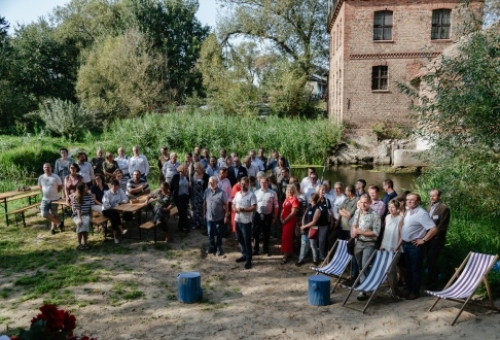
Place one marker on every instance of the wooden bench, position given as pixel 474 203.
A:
pixel 150 225
pixel 21 212
pixel 28 195
pixel 100 220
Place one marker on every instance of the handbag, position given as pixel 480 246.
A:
pixel 313 232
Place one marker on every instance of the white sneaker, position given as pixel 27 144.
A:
pixel 116 241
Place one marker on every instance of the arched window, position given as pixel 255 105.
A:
pixel 441 24
pixel 382 25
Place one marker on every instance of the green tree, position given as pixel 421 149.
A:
pixel 296 28
pixel 459 96
pixel 122 77
pixel 230 80
pixel 174 30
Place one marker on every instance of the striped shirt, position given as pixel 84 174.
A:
pixel 85 207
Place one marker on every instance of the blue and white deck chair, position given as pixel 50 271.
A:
pixel 338 265
pixel 381 263
pixel 477 266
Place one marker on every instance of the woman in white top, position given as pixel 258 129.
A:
pixel 391 240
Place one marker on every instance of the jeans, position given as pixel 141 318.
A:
pixel 244 234
pixel 304 248
pixel 362 252
pixel 214 230
pixel 264 225
pixel 414 258
pixel 322 238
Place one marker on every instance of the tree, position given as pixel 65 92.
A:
pixel 459 99
pixel 229 81
pixel 296 28
pixel 122 77
pixel 174 30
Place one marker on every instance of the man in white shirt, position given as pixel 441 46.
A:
pixel 252 170
pixel 306 181
pixel 122 161
pixel 50 184
pixel 244 204
pixel 311 187
pixel 265 215
pixel 418 228
pixel 225 185
pixel 138 162
pixel 86 169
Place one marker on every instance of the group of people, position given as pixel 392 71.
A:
pixel 251 200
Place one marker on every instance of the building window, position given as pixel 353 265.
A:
pixel 379 77
pixel 382 25
pixel 441 23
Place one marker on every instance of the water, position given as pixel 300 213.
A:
pixel 349 175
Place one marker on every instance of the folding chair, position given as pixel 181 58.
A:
pixel 477 267
pixel 382 262
pixel 338 264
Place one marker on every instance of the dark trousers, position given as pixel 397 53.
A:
pixel 414 258
pixel 433 248
pixel 214 229
pixel 244 234
pixel 114 218
pixel 182 202
pixel 261 223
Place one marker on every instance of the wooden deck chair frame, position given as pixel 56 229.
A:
pixel 327 261
pixel 374 292
pixel 484 279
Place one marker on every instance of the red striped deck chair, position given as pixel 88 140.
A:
pixel 338 265
pixel 465 281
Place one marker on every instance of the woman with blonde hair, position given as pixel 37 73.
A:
pixel 288 219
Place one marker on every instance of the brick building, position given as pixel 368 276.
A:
pixel 374 44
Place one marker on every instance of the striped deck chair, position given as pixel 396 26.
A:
pixel 477 266
pixel 338 265
pixel 381 263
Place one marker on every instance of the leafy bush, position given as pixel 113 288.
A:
pixel 65 118
pixel 388 130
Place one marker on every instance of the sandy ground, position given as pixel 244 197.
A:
pixel 268 301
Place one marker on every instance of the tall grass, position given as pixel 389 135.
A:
pixel 300 140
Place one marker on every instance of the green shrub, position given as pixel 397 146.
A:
pixel 65 118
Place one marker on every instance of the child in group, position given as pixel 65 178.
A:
pixel 82 214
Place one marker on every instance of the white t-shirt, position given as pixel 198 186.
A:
pixel 336 205
pixel 391 233
pixel 50 186
pixel 246 201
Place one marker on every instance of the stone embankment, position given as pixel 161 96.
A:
pixel 367 149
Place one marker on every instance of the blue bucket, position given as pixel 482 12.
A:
pixel 189 287
pixel 319 290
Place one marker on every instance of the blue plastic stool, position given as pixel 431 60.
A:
pixel 319 290
pixel 189 287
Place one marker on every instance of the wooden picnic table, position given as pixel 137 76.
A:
pixel 14 195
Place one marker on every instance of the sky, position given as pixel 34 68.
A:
pixel 26 11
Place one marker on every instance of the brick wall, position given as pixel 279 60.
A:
pixel 353 53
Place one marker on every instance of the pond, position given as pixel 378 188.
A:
pixel 350 174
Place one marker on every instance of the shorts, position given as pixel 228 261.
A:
pixel 47 208
pixel 85 227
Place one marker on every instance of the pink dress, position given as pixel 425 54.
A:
pixel 289 227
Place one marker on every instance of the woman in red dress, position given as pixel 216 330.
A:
pixel 289 220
